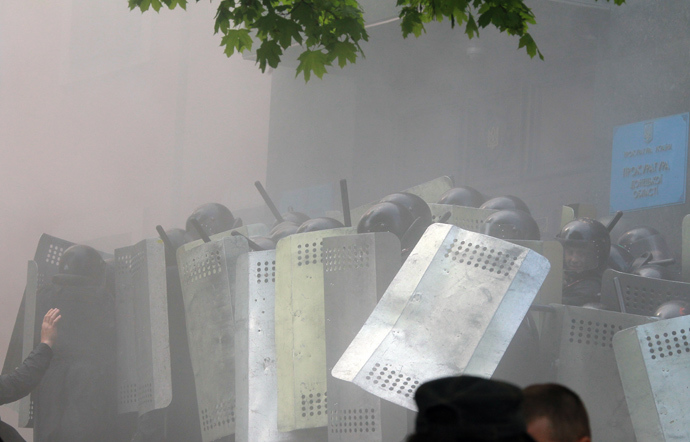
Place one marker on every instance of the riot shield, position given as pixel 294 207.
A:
pixel 653 362
pixel 570 212
pixel 520 363
pixel 685 249
pixel 577 349
pixel 256 414
pixel 453 308
pixel 25 405
pixel 47 254
pixel 357 271
pixel 468 218
pixel 141 315
pixel 639 295
pixel 248 230
pixel 430 192
pixel 300 329
pixel 207 276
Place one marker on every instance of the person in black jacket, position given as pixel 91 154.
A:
pixel 19 383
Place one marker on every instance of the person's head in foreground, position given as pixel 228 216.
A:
pixel 555 413
pixel 467 409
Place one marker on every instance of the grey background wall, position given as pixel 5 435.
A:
pixel 484 112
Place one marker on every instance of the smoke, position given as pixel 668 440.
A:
pixel 112 122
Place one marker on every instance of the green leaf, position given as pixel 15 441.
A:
pixel 312 61
pixel 530 46
pixel 344 51
pixel 236 39
pixel 268 53
pixel 156 5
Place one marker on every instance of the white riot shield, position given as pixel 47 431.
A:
pixel 25 406
pixel 577 346
pixel 570 212
pixel 653 361
pixel 453 308
pixel 430 192
pixel 256 381
pixel 357 271
pixel 639 295
pixel 300 329
pixel 468 218
pixel 207 276
pixel 248 230
pixel 143 348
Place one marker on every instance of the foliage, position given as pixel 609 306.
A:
pixel 330 30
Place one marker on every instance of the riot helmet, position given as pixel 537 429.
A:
pixel 414 203
pixel 315 224
pixel 213 218
pixel 672 309
pixel 462 196
pixel 654 271
pixel 586 245
pixel 643 239
pixel 386 217
pixel 620 259
pixel 280 231
pixel 83 263
pixel 507 202
pixel 511 225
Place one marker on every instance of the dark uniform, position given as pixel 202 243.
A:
pixel 75 401
pixel 19 383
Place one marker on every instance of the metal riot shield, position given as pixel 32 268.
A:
pixel 430 192
pixel 570 212
pixel 520 364
pixel 468 218
pixel 453 308
pixel 207 276
pixel 46 258
pixel 639 295
pixel 25 405
pixel 300 329
pixel 256 413
pixel 685 249
pixel 577 349
pixel 248 230
pixel 357 271
pixel 143 348
pixel 653 362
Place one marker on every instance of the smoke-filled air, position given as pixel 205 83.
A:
pixel 200 248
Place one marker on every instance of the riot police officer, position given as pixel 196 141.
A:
pixel 586 247
pixel 75 401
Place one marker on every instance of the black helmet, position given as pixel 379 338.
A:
pixel 643 239
pixel 511 224
pixel 586 245
pixel 281 230
pixel 672 309
pixel 653 271
pixel 620 259
pixel 213 217
pixel 315 224
pixel 83 262
pixel 386 217
pixel 462 196
pixel 507 202
pixel 414 203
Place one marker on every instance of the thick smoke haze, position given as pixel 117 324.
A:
pixel 113 121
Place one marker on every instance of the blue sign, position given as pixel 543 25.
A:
pixel 649 163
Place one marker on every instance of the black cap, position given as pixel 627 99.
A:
pixel 471 407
